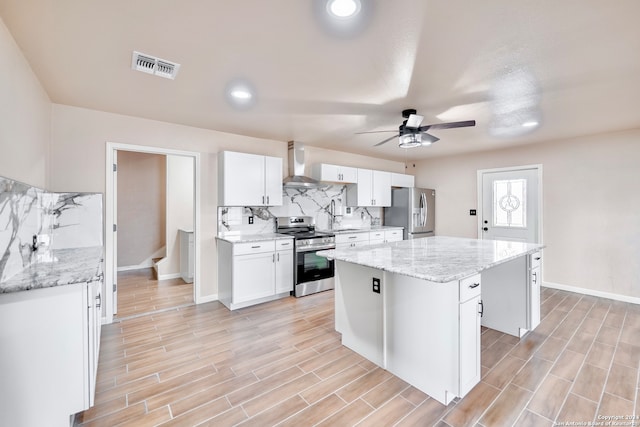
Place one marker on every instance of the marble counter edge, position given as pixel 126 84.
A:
pixel 330 254
pixel 248 238
pixel 363 230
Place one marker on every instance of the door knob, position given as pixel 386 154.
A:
pixel 485 228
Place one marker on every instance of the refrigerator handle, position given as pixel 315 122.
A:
pixel 423 207
pixel 426 210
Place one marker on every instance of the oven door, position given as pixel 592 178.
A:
pixel 311 267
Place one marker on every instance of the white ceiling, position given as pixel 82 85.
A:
pixel 574 65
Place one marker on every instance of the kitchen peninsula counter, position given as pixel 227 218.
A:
pixel 415 307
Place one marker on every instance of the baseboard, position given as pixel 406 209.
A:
pixel 136 267
pixel 601 294
pixel 169 276
pixel 208 298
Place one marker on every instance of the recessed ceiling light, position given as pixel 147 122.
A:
pixel 530 124
pixel 241 94
pixel 343 8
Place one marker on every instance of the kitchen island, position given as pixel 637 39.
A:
pixel 415 307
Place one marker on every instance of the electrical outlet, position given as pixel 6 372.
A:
pixel 251 220
pixel 376 285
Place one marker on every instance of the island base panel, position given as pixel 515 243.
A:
pixel 505 297
pixel 422 334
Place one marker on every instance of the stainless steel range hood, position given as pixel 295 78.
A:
pixel 296 176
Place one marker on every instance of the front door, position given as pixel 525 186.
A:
pixel 510 204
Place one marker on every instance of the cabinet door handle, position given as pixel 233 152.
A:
pixel 278 256
pixel 535 277
pixel 273 258
pixel 475 285
pixel 481 308
pixel 263 200
pixel 267 199
pixel 99 300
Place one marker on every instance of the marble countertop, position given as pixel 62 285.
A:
pixel 245 238
pixel 437 259
pixel 362 230
pixel 57 268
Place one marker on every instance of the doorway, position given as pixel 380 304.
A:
pixel 510 204
pixel 160 281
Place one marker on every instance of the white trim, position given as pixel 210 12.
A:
pixel 584 291
pixel 142 266
pixel 479 212
pixel 111 147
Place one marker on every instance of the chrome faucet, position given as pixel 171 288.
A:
pixel 332 214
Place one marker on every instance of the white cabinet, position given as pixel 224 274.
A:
pixel 334 173
pixel 533 317
pixel 402 180
pixel 249 180
pixel 394 235
pixel 351 240
pixel 376 237
pixel 284 266
pixel 254 272
pixel 51 340
pixel 373 189
pixel 186 255
pixel 470 312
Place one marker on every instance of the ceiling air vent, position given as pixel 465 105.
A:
pixel 152 65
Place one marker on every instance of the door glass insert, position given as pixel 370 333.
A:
pixel 509 199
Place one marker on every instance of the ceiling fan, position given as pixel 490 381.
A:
pixel 413 135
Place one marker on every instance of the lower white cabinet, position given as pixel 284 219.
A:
pixel 535 278
pixel 470 313
pixel 50 345
pixel 363 238
pixel 254 272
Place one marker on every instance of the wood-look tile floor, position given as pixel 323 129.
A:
pixel 139 292
pixel 281 363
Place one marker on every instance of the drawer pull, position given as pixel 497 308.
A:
pixel 475 285
pixel 285 244
pixel 353 237
pixel 537 258
pixel 256 247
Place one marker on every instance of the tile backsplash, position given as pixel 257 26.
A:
pixel 59 220
pixel 314 202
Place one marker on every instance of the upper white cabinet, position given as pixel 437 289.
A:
pixel 334 173
pixel 402 180
pixel 249 180
pixel 372 189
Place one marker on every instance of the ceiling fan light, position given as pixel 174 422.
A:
pixel 410 140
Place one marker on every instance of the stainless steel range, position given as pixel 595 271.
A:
pixel 313 273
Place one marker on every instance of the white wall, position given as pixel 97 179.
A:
pixel 591 205
pixel 78 159
pixel 25 117
pixel 141 208
pixel 321 155
pixel 179 208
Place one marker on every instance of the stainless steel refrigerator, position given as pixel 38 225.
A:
pixel 413 209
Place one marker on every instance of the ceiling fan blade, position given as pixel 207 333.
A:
pixel 386 140
pixel 414 121
pixel 376 131
pixel 449 125
pixel 428 139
